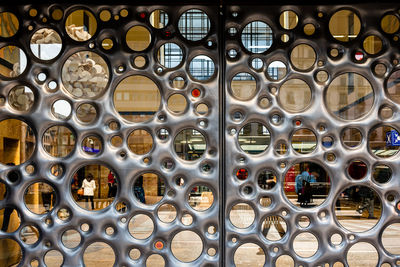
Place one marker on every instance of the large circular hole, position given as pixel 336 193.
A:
pixel 383 141
pixel 86 113
pixel 186 246
pixel 372 44
pixel 138 38
pixel 170 55
pixel 304 141
pixel 92 145
pixel 273 228
pixel 249 254
pixel 149 188
pixel 140 142
pixel 243 86
pixel 349 96
pixel 177 103
pixel 190 144
pixel 362 254
pixel 254 138
pixel 351 137
pixel 167 213
pixel 85 75
pixel 294 95
pixel 92 258
pixel 300 240
pixel 137 98
pixel 141 226
pixel 188 24
pixel 40 198
pixel 201 68
pixel 390 240
pixel 21 98
pixel 382 173
pixel 266 179
pixel 276 70
pixel 358 208
pixel 58 141
pixel 201 198
pixel 257 37
pixel 344 25
pixel 46 44
pixel 11 251
pixel 307 184
pixel 158 19
pixel 393 86
pixel 13 61
pixel 390 23
pixel 357 169
pixel 71 238
pixel 242 215
pixel 9 22
pixel 90 189
pixel 288 19
pixel 303 57
pixel 18 142
pixel 81 25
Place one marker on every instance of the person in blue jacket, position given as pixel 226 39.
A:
pixel 303 186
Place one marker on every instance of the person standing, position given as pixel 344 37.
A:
pixel 47 196
pixel 89 185
pixel 303 187
pixel 111 182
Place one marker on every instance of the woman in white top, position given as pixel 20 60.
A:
pixel 89 186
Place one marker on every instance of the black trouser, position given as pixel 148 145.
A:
pixel 47 201
pixel 91 199
pixel 6 218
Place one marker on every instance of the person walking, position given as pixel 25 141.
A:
pixel 89 185
pixel 303 186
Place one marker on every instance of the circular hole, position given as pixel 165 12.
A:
pixel 307 184
pixel 288 20
pixel 61 109
pixel 304 141
pixel 380 69
pixel 107 44
pixel 134 254
pixel 232 53
pixel 21 98
pixel 40 198
pixel 243 86
pixel 46 44
pixel 105 15
pixel 190 144
pixel 92 145
pixel 389 240
pixel 382 141
pixel 30 169
pixel 281 148
pixel 212 252
pixel 81 25
pixel 187 219
pixel 139 61
pixel 257 37
pixel 348 86
pixel 232 31
pixel 393 86
pixel 42 77
pixel 168 164
pixel 64 214
pixel 322 76
pixel 33 12
pixel 178 82
pixel 254 138
pixel 53 258
pixel 141 226
pixel 56 170
pixel 86 113
pixel 327 141
pixel 187 22
pixel 336 239
pixel 303 57
pixel 257 63
pixel 273 228
pixel 356 256
pixel 249 254
pixel 9 23
pixel 285 38
pixel 170 55
pixel 138 38
pixel 304 221
pixel 390 24
pixel 276 70
pixel 124 13
pixel 129 98
pixel 350 31
pixel 265 202
pixel 357 170
pixel 52 85
pixel 10 218
pixel 266 179
pixel 211 230
pixel 71 238
pixel 158 19
pixel 186 246
pixel 264 102
pixel 372 44
pixel 309 29
pixel 300 240
pixel 85 75
pixel 201 68
pixel 140 142
pixel 58 141
pixel 14 61
pixel 359 203
pixel 110 231
pixel 382 174
pixel 149 188
pixel 200 198
pixel 163 134
pixel 85 227
pixel 155 260
pixel 242 174
pixel 294 95
pixel 91 255
pixel 167 213
pixel 196 92
pixel 242 215
pixel 177 103
pixel 89 184
pixel 351 137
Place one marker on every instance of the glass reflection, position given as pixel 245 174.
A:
pixel 358 208
pixel 307 184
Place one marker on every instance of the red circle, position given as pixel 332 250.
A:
pixel 142 15
pixel 242 174
pixel 196 92
pixel 159 245
pixel 167 34
pixel 359 56
pixel 298 123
